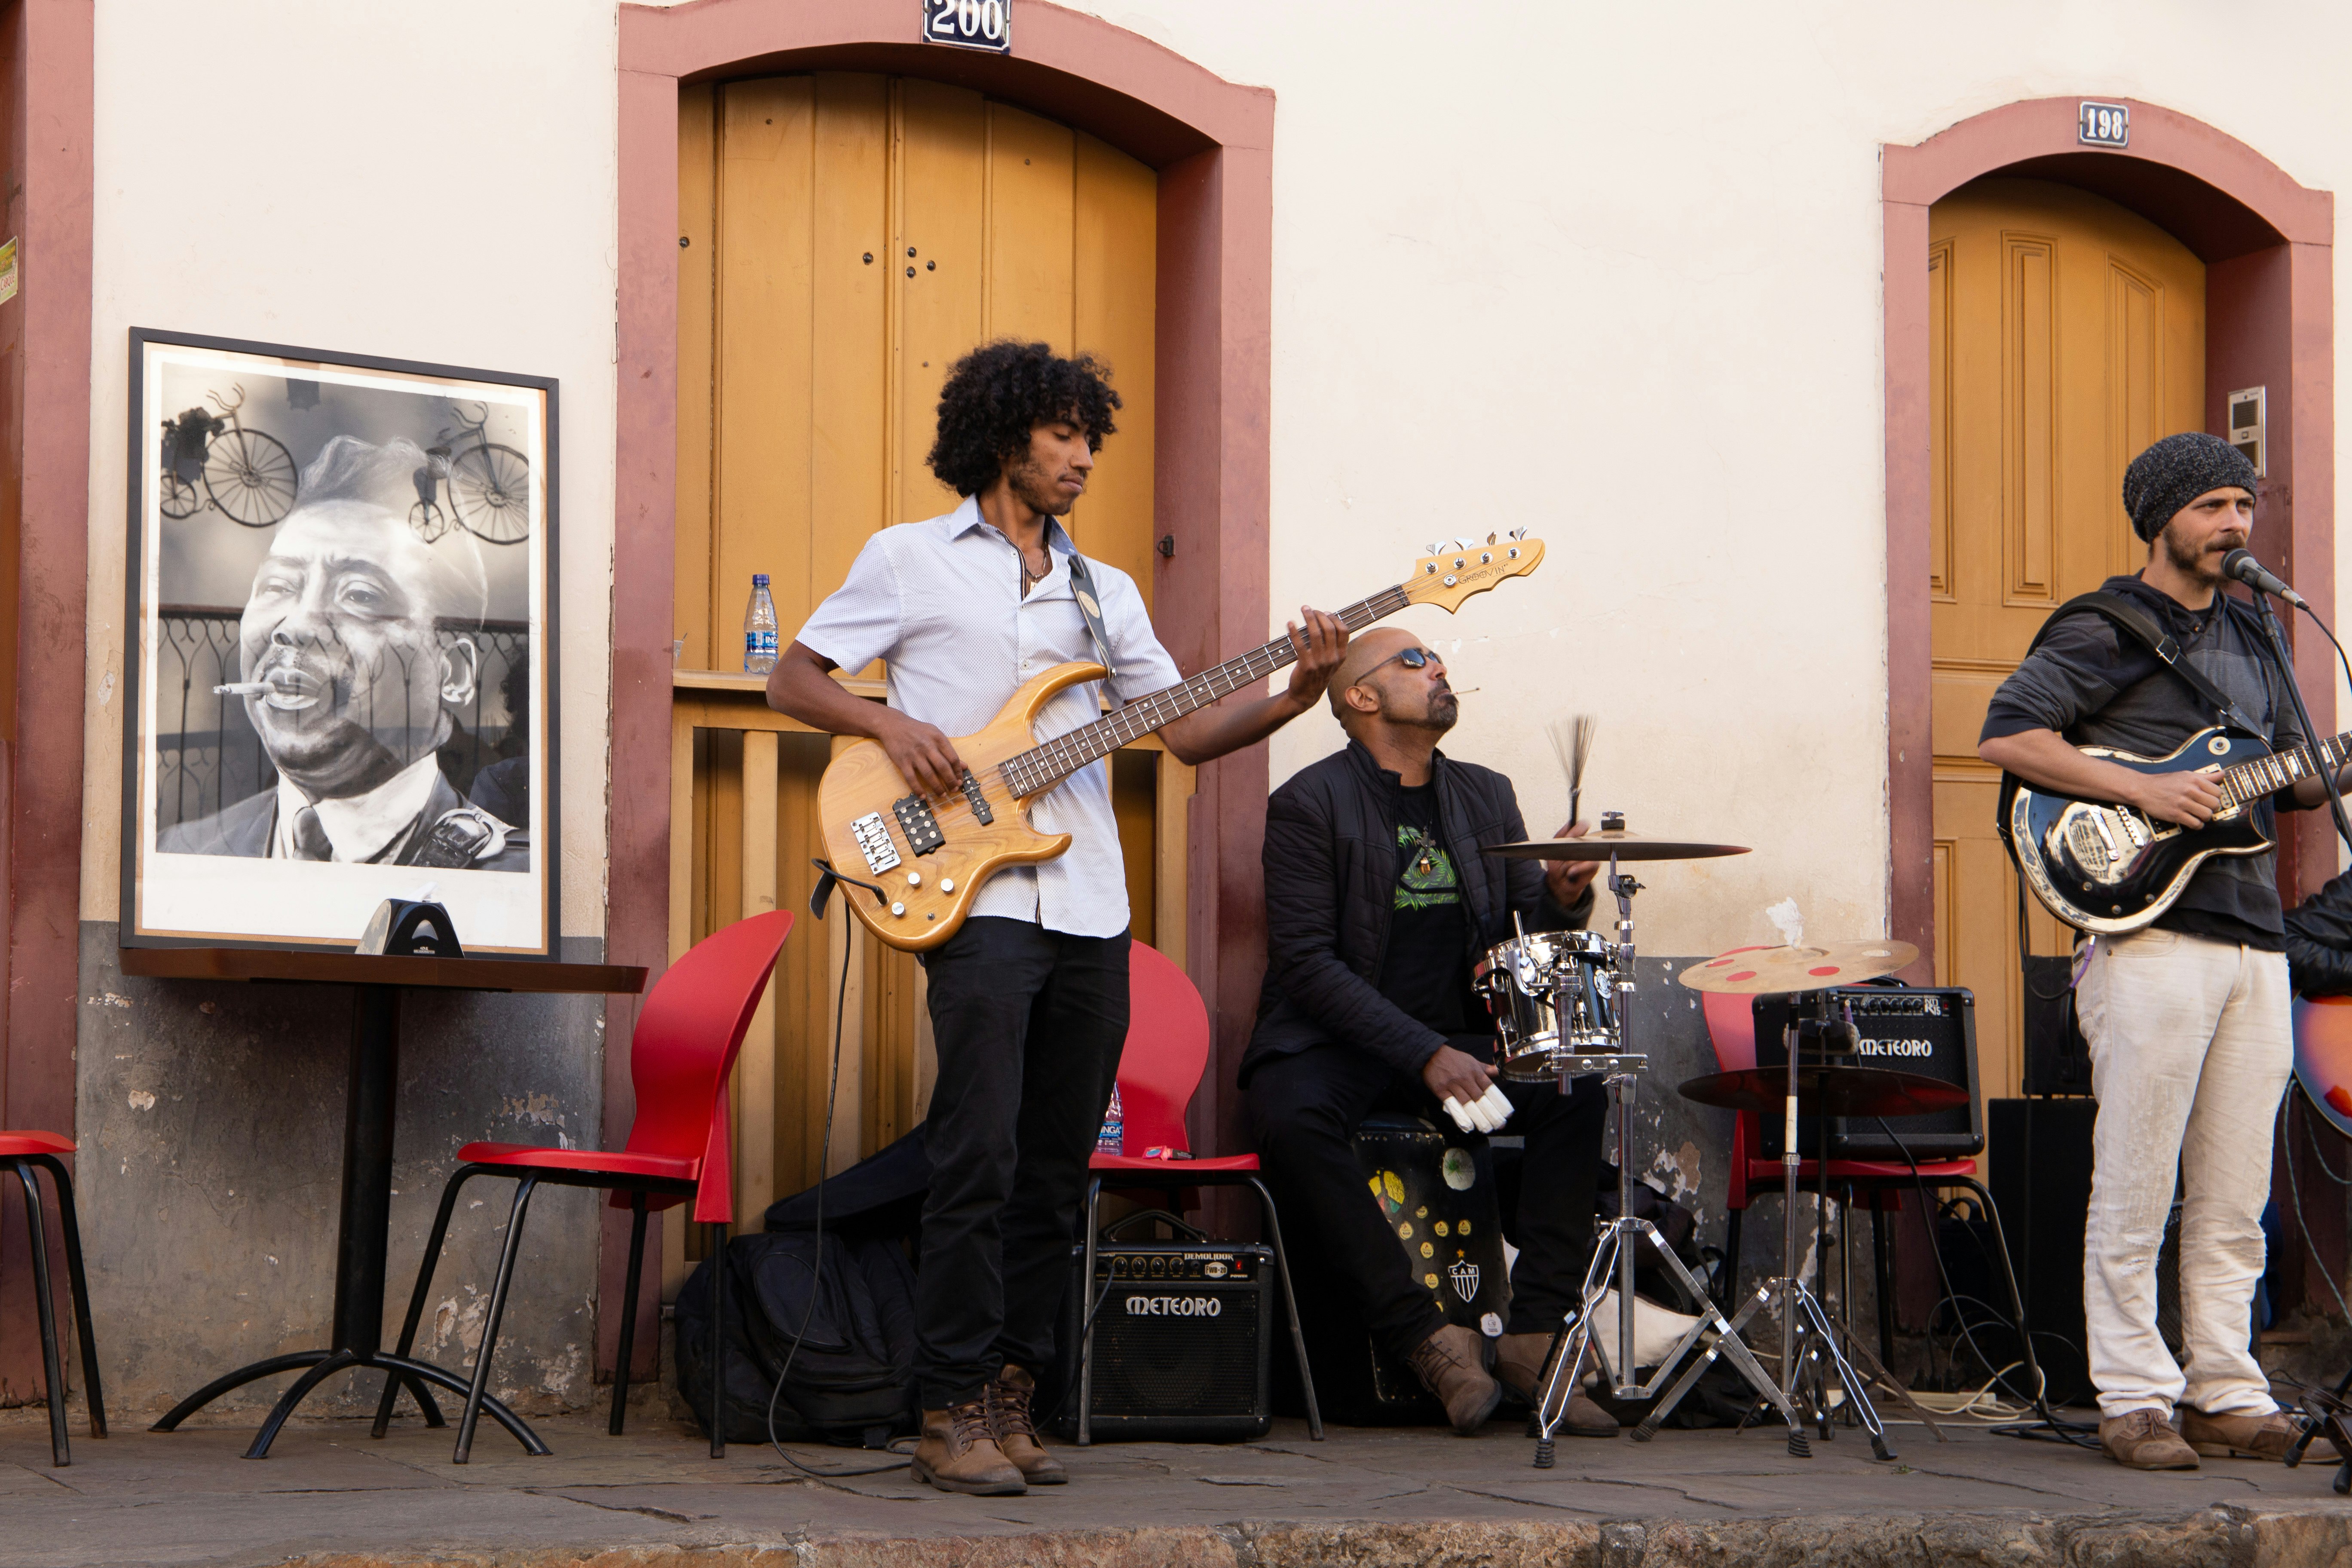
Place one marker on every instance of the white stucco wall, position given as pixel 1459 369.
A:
pixel 1611 275
pixel 432 182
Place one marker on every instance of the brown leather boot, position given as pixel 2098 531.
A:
pixel 2145 1440
pixel 1523 1364
pixel 958 1453
pixel 2248 1436
pixel 1008 1417
pixel 1452 1364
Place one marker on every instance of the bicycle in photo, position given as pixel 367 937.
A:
pixel 246 475
pixel 488 485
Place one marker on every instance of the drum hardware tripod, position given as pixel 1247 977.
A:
pixel 1810 1342
pixel 1618 1247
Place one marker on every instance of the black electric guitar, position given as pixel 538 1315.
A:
pixel 2112 869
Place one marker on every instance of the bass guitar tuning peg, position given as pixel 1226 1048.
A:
pixel 1432 547
pixel 1519 534
pixel 1490 539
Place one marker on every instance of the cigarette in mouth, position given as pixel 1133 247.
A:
pixel 243 689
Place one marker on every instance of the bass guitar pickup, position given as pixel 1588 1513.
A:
pixel 980 807
pixel 915 821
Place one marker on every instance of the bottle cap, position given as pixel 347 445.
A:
pixel 759 579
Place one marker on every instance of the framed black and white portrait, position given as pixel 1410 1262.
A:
pixel 341 661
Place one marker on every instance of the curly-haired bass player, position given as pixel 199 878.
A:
pixel 1028 1000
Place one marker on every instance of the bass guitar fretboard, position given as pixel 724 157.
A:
pixel 1046 764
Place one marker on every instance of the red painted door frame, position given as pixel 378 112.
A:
pixel 2269 316
pixel 45 359
pixel 1212 142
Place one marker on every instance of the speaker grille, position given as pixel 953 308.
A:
pixel 1150 1364
pixel 1928 1030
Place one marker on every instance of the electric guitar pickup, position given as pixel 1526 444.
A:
pixel 2112 869
pixel 927 855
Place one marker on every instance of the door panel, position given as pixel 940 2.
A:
pixel 847 237
pixel 2065 334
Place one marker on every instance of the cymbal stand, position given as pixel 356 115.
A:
pixel 1619 1245
pixel 1811 1351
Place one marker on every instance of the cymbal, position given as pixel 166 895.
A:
pixel 1763 971
pixel 1617 842
pixel 1834 1090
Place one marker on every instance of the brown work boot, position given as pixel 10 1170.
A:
pixel 2248 1436
pixel 1452 1364
pixel 2144 1441
pixel 1017 1435
pixel 1523 1363
pixel 958 1454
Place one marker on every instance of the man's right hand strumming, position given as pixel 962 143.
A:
pixel 922 753
pixel 2189 799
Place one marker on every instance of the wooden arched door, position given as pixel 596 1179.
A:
pixel 846 238
pixel 2065 334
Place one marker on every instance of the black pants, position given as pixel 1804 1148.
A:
pixel 1029 1025
pixel 1306 1107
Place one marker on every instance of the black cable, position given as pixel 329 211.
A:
pixel 2039 1400
pixel 816 1269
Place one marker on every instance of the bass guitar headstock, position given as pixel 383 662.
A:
pixel 1447 576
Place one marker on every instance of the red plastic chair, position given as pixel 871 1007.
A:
pixel 687 1033
pixel 1159 1069
pixel 1731 1028
pixel 22 1153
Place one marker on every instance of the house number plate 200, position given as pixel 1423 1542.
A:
pixel 969 24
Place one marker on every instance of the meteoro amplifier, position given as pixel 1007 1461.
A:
pixel 1182 1341
pixel 1929 1030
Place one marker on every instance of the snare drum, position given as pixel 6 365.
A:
pixel 1551 994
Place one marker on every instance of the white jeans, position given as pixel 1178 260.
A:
pixel 2191 1047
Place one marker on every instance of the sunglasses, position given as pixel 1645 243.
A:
pixel 1410 657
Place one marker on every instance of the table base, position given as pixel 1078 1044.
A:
pixel 324 1364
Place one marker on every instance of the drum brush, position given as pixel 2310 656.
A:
pixel 1571 741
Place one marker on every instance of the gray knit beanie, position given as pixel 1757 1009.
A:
pixel 2175 471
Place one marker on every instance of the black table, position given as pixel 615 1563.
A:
pixel 363 1233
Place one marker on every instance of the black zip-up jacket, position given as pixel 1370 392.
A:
pixel 2319 940
pixel 1331 869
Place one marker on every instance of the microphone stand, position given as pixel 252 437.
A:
pixel 2327 1412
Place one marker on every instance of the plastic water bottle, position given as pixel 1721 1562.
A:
pixel 1112 1138
pixel 759 628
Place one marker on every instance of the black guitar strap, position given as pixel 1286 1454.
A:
pixel 1082 588
pixel 2142 626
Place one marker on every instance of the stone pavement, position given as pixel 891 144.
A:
pixel 330 1498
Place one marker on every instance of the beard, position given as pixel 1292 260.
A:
pixel 2192 563
pixel 1444 709
pixel 1032 482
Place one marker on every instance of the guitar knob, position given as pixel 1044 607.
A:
pixel 914 879
pixel 947 884
pixel 897 909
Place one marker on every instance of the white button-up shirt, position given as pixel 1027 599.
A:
pixel 941 603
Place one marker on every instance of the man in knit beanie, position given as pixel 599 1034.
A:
pixel 2187 1018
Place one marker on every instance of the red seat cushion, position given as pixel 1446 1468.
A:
pixel 31 1142
pixel 1172 1167
pixel 617 1162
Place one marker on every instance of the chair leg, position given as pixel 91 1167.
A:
pixel 1727 1279
pixel 78 1280
pixel 2009 1276
pixel 628 1312
pixel 417 1299
pixel 1290 1301
pixel 717 1342
pixel 52 1365
pixel 1882 1234
pixel 1086 1321
pixel 506 1256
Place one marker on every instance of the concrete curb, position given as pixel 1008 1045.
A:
pixel 2209 1538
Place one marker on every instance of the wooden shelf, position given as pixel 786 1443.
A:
pixel 358 969
pixel 737 681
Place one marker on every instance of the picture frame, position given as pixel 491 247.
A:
pixel 340 660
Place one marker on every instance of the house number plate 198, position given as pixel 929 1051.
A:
pixel 2103 125
pixel 969 24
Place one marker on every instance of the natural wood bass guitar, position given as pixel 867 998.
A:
pixel 2111 868
pixel 914 860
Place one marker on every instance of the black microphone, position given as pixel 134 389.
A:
pixel 2241 565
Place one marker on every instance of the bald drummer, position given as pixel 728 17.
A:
pixel 1380 901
